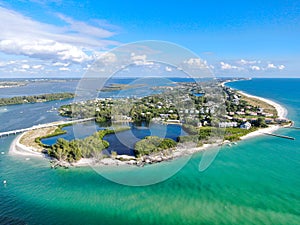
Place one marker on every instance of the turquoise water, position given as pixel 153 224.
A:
pixel 254 182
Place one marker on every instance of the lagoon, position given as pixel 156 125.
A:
pixel 122 142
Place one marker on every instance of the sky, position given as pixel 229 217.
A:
pixel 62 38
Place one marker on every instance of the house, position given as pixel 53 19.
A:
pixel 253 120
pixel 281 120
pixel 246 126
pixel 227 124
pixel 269 120
pixel 252 113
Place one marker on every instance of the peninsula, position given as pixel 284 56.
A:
pixel 200 115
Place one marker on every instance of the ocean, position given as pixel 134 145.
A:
pixel 256 181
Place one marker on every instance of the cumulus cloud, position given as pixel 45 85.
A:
pixel 271 66
pixel 248 62
pixel 64 69
pixel 140 59
pixel 25 66
pixel 60 64
pixel 75 42
pixel 227 66
pixel 197 63
pixel 38 67
pixel 6 63
pixel 255 68
pixel 107 58
pixel 168 69
pixel 250 66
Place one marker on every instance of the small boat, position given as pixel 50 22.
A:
pixel 229 145
pixel 234 143
pixel 4 182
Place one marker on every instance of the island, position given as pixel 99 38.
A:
pixel 10 84
pixel 35 98
pixel 207 120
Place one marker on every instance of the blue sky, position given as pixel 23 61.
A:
pixel 61 38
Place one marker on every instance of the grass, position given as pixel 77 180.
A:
pixel 261 104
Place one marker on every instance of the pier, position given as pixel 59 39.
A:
pixel 14 132
pixel 280 136
pixel 295 128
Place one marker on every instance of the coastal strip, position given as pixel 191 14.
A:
pixel 281 113
pixel 180 151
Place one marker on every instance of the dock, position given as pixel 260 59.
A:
pixel 280 136
pixel 14 132
pixel 295 128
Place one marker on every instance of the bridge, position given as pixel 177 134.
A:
pixel 35 127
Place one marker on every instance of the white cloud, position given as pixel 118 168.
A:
pixel 25 66
pixel 227 66
pixel 140 59
pixel 75 42
pixel 168 69
pixel 38 67
pixel 86 29
pixel 248 62
pixel 60 64
pixel 197 63
pixel 64 69
pixel 255 68
pixel 107 58
pixel 271 66
pixel 251 66
pixel 6 63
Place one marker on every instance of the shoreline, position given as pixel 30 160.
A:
pixel 20 149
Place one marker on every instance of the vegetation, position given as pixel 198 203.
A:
pixel 35 98
pixel 260 122
pixel 152 144
pixel 92 146
pixel 234 134
pixel 57 132
pixel 118 87
pixel 190 129
pixel 260 104
pixel 205 134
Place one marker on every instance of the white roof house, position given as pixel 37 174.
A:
pixel 246 126
pixel 227 124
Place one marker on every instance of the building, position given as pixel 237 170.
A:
pixel 269 120
pixel 227 124
pixel 246 126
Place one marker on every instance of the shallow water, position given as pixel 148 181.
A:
pixel 254 182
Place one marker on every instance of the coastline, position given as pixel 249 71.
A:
pixel 16 148
pixel 281 111
pixel 20 149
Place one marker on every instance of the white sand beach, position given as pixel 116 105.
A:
pixel 281 111
pixel 16 148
